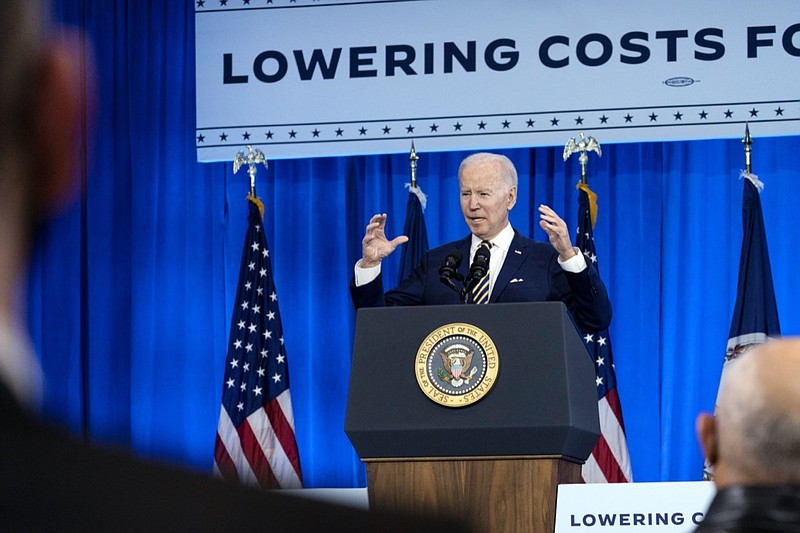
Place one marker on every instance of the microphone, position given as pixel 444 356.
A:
pixel 479 267
pixel 449 269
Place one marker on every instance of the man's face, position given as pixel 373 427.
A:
pixel 485 200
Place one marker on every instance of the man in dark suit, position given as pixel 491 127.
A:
pixel 519 269
pixel 50 481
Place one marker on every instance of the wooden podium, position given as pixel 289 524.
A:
pixel 493 465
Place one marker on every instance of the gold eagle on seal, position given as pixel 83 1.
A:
pixel 457 362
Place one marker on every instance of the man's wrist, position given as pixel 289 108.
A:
pixel 575 264
pixel 568 254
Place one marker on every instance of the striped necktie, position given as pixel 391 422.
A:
pixel 480 293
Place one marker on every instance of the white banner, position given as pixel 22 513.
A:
pixel 303 78
pixel 629 507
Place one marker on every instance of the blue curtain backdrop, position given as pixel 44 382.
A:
pixel 131 290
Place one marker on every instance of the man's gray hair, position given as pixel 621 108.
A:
pixel 503 164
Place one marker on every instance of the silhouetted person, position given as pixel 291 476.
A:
pixel 753 442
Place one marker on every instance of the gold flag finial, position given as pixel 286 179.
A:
pixel 413 161
pixel 252 158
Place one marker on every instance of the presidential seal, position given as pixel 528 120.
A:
pixel 456 365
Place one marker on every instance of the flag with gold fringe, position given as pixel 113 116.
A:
pixel 256 442
pixel 610 460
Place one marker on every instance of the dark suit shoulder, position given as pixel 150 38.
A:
pixel 444 249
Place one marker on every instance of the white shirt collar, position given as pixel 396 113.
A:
pixel 501 240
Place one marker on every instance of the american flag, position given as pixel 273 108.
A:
pixel 609 461
pixel 755 315
pixel 255 437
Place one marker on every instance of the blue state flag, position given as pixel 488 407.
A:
pixel 755 314
pixel 415 230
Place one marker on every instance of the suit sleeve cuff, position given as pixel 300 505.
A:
pixel 575 264
pixel 366 275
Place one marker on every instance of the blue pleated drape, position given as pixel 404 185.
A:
pixel 131 291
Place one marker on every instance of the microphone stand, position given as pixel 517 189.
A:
pixel 466 289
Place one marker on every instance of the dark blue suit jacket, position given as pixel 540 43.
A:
pixel 530 273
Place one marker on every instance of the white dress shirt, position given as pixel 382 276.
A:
pixel 500 247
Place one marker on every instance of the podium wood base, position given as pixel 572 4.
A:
pixel 487 494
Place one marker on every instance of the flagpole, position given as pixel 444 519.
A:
pixel 610 458
pixel 413 162
pixel 260 398
pixel 414 226
pixel 748 142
